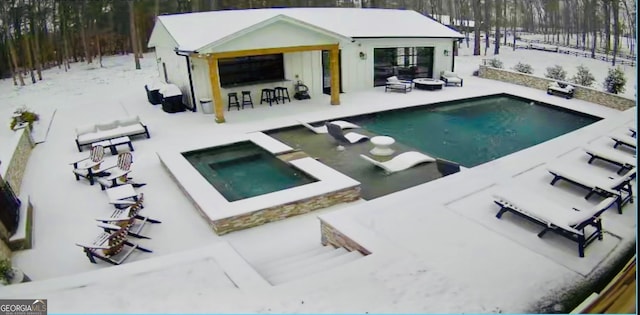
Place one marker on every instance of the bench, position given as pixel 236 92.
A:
pixel 561 89
pixel 129 126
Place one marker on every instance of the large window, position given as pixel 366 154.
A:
pixel 251 69
pixel 404 62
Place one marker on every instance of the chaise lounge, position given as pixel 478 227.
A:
pixel 624 139
pixel 401 161
pixel 349 138
pixel 619 186
pixel 569 223
pixel 112 247
pixel 323 129
pixel 624 160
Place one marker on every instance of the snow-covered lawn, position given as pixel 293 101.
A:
pixel 436 247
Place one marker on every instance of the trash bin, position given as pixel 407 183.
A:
pixel 153 92
pixel 207 105
pixel 172 99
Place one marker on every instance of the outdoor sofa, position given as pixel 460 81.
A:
pixel 561 89
pixel 129 126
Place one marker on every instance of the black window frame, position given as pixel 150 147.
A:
pixel 406 63
pixel 251 69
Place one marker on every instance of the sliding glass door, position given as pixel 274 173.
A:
pixel 407 63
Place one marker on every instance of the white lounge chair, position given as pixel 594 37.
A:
pixel 624 160
pixel 570 223
pixel 349 138
pixel 395 84
pixel 618 186
pixel 624 139
pixel 401 161
pixel 323 129
pixel 450 78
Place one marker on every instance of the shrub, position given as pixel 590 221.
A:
pixel 615 81
pixel 23 115
pixel 583 76
pixel 523 68
pixel 556 72
pixel 496 63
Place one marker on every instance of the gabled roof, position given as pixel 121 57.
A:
pixel 195 30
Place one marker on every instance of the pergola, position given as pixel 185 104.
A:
pixel 214 76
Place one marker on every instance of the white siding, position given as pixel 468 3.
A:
pixel 177 72
pixel 278 34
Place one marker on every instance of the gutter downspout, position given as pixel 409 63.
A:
pixel 193 96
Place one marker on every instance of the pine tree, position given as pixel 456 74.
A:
pixel 583 77
pixel 615 81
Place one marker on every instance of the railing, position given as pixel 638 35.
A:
pixel 584 54
pixel 598 50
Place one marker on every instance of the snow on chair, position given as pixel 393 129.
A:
pixel 567 222
pixel 130 216
pixel 323 129
pixel 89 167
pixel 451 78
pixel 118 173
pixel 401 161
pixel 112 247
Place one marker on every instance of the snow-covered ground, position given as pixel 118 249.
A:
pixel 436 247
pixel 541 60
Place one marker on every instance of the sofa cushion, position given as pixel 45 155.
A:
pixel 127 131
pixel 449 74
pixel 107 125
pixel 392 79
pixel 81 130
pixel 128 121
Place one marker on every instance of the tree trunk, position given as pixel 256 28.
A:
pixel 616 28
pixel 14 58
pixel 132 29
pixel 515 22
pixel 11 70
pixel 498 7
pixel 26 43
pixel 36 41
pixel 477 17
pixel 594 18
pixel 156 8
pixel 83 33
pixel 607 25
pixel 487 24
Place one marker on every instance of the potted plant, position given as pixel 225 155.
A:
pixel 6 271
pixel 21 116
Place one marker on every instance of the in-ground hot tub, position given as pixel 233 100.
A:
pixel 254 179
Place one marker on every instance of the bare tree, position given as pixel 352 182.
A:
pixel 132 28
pixel 477 17
pixel 616 28
pixel 498 7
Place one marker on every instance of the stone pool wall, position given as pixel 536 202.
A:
pixel 331 236
pixel 582 93
pixel 260 217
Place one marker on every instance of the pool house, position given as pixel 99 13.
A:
pixel 210 55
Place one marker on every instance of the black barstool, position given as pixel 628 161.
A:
pixel 268 95
pixel 282 93
pixel 233 101
pixel 246 99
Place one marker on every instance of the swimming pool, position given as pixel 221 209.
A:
pixel 244 170
pixel 475 131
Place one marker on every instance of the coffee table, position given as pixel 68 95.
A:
pixel 111 144
pixel 118 194
pixel 382 145
pixel 428 84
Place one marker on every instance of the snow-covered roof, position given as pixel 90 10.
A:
pixel 195 30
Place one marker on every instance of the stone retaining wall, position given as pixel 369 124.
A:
pixel 18 163
pixel 259 217
pixel 582 93
pixel 332 236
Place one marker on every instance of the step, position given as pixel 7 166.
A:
pixel 301 262
pixel 315 268
pixel 289 258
